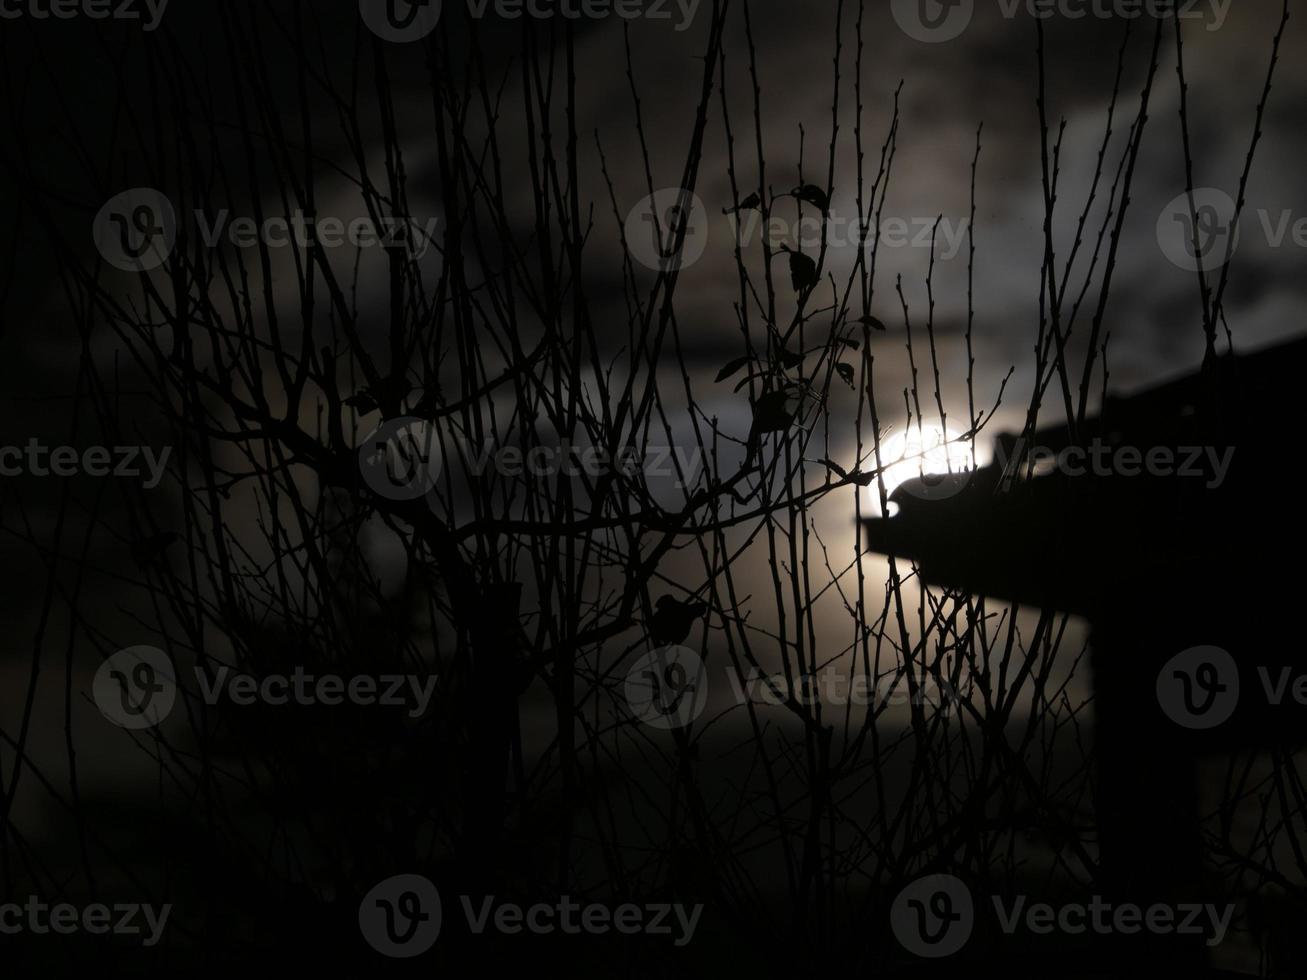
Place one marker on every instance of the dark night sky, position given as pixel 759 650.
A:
pixel 986 75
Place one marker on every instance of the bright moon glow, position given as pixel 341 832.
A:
pixel 916 452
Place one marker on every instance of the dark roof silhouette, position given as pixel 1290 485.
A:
pixel 1073 542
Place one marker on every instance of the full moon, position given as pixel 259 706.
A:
pixel 925 450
